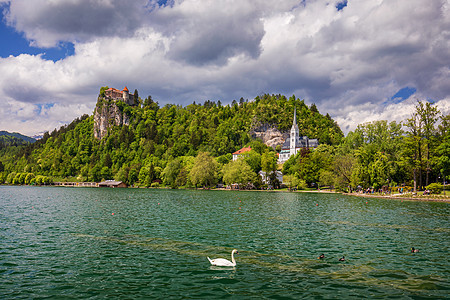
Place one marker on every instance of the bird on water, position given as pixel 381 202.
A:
pixel 222 262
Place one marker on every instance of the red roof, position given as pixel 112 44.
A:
pixel 243 150
pixel 126 89
pixel 113 89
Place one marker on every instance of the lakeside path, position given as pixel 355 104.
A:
pixel 429 198
pixel 404 197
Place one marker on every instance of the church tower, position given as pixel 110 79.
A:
pixel 294 142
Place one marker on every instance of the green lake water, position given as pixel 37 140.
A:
pixel 78 243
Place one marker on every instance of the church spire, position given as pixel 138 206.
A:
pixel 294 123
pixel 294 142
pixel 295 116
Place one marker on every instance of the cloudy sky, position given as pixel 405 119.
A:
pixel 357 60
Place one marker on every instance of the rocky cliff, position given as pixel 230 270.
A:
pixel 106 115
pixel 270 136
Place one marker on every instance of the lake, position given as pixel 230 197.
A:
pixel 151 243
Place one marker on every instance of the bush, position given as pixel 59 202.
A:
pixel 155 185
pixel 435 188
pixel 2 177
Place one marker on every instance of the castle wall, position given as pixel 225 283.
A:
pixel 113 93
pixel 117 94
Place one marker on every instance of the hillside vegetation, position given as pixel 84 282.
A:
pixel 157 136
pixel 191 146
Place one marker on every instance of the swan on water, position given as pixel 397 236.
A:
pixel 222 262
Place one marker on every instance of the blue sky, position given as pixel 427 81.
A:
pixel 357 61
pixel 16 44
pixel 403 94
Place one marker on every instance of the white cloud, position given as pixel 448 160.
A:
pixel 31 119
pixel 349 62
pixel 400 112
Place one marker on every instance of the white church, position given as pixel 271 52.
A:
pixel 295 143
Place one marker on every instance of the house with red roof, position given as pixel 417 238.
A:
pixel 240 152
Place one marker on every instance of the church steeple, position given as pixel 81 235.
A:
pixel 294 142
pixel 295 116
pixel 294 123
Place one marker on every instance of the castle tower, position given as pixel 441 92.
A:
pixel 294 142
pixel 126 95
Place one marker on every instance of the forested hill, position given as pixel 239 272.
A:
pixel 8 139
pixel 156 135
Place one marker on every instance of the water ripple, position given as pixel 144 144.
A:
pixel 93 243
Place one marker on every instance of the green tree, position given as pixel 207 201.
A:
pixel 239 172
pixel 253 159
pixel 204 171
pixel 344 167
pixel 269 166
pixel 95 173
pixel 429 115
pixel 413 146
pixel 379 170
pixel 182 177
pixel 171 172
pixel 224 159
pixel 136 97
pixel 122 175
pixel 268 161
pixel 102 91
pixel 443 156
pixel 28 178
pixel 312 163
pixel 326 178
pixel 3 176
pixel 147 174
pixel 293 182
pixel 133 175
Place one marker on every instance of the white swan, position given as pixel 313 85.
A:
pixel 222 262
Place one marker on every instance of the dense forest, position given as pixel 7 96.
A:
pixel 192 146
pixel 8 139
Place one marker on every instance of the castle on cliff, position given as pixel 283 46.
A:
pixel 295 143
pixel 108 113
pixel 124 95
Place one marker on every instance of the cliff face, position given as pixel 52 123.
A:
pixel 106 115
pixel 270 136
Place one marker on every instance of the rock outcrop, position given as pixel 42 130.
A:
pixel 106 115
pixel 270 136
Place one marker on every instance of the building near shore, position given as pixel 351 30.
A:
pixel 112 184
pixel 76 184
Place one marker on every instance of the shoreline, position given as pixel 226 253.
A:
pixel 399 197
pixel 394 197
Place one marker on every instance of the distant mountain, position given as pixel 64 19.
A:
pixel 18 136
pixel 38 136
